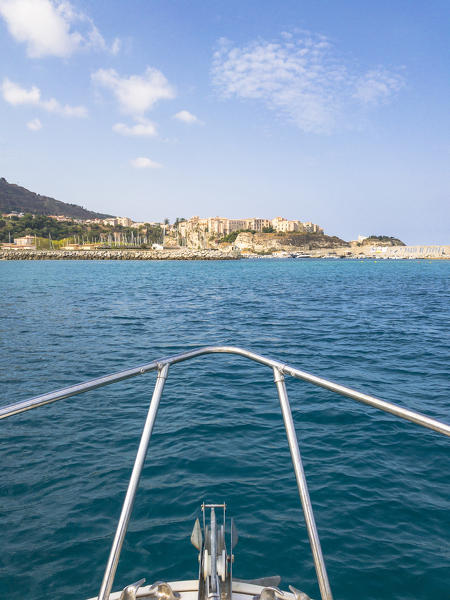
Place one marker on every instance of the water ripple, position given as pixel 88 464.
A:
pixel 379 487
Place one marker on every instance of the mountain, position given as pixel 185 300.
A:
pixel 14 198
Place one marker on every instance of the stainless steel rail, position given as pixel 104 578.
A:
pixel 404 413
pixel 279 370
pixel 128 503
pixel 319 562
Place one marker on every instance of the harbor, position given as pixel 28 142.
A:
pixel 231 253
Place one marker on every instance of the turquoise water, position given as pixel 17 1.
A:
pixel 379 486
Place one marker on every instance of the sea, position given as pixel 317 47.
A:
pixel 379 486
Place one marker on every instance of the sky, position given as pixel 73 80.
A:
pixel 323 111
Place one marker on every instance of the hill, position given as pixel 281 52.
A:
pixel 382 240
pixel 14 198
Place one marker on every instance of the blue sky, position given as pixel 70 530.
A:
pixel 334 112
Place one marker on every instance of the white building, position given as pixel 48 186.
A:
pixel 27 241
pixel 124 221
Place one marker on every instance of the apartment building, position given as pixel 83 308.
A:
pixel 114 221
pixel 27 241
pixel 220 226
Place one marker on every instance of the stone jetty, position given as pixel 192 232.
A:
pixel 392 252
pixel 176 254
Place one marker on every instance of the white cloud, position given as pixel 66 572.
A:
pixel 47 28
pixel 144 128
pixel 34 125
pixel 377 86
pixel 16 95
pixel 116 46
pixel 142 162
pixel 136 94
pixel 186 117
pixel 301 77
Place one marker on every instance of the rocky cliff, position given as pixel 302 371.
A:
pixel 264 243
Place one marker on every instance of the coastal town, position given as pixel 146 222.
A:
pixel 34 226
pixel 204 238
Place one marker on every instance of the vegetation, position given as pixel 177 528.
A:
pixel 267 252
pixel 315 240
pixel 38 225
pixel 14 198
pixel 231 237
pixel 386 240
pixel 52 233
pixel 269 229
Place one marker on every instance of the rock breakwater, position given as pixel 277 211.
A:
pixel 178 254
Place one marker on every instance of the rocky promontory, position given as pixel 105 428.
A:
pixel 267 243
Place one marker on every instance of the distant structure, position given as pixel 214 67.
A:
pixel 12 214
pixel 60 218
pixel 198 232
pixel 220 226
pixel 114 221
pixel 27 241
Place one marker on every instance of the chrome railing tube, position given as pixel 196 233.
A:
pixel 280 369
pixel 389 407
pixel 404 413
pixel 214 587
pixel 74 390
pixel 127 507
pixel 319 562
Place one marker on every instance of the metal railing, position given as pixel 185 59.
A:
pixel 279 371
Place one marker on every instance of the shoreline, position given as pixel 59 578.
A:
pixel 181 254
pixel 390 253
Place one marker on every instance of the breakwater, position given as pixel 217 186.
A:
pixel 404 252
pixel 176 254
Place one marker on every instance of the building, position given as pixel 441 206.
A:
pixel 13 214
pixel 93 221
pixel 258 224
pixel 138 225
pixel 115 221
pixel 124 221
pixel 312 227
pixel 282 225
pixel 27 241
pixel 60 218
pixel 220 226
